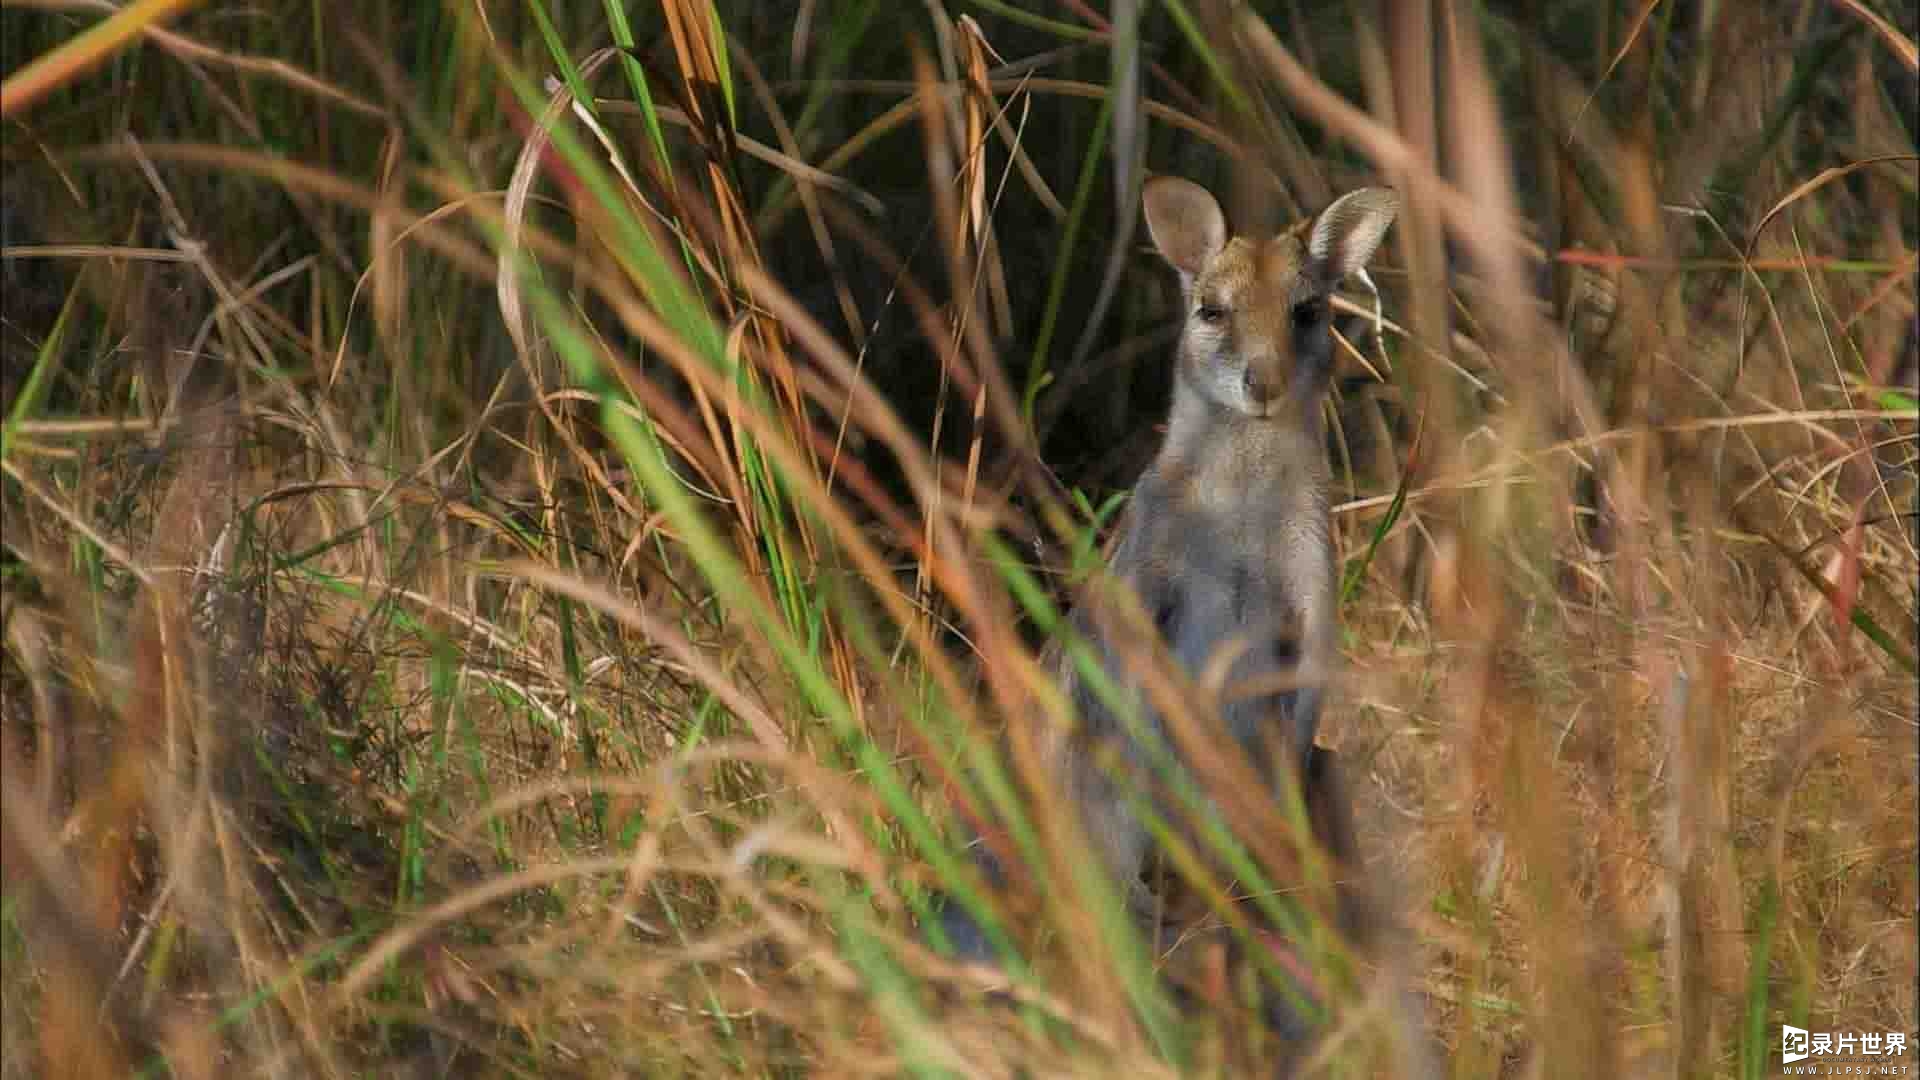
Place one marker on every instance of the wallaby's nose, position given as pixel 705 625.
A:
pixel 1263 383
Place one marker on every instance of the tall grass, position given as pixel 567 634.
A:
pixel 524 524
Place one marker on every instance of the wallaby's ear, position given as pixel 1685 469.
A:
pixel 1347 233
pixel 1185 222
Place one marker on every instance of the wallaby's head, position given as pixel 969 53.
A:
pixel 1257 338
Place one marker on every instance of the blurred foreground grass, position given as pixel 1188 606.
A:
pixel 517 518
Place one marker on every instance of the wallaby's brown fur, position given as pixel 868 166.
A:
pixel 1226 542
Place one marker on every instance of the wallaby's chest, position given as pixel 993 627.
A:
pixel 1243 536
pixel 1239 586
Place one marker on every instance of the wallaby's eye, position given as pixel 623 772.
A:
pixel 1307 313
pixel 1211 313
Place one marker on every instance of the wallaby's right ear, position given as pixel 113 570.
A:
pixel 1347 233
pixel 1185 221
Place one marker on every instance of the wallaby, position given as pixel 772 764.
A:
pixel 1226 539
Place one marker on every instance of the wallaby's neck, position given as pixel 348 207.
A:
pixel 1203 436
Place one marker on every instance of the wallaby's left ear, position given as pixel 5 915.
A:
pixel 1347 233
pixel 1186 223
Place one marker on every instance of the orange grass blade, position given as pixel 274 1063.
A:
pixel 83 53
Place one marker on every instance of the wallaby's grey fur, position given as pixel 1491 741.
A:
pixel 1226 540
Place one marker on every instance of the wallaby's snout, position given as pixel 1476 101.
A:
pixel 1265 379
